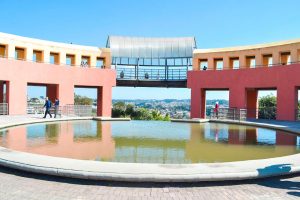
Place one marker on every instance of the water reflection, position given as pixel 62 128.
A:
pixel 157 142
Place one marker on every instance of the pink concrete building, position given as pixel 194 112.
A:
pixel 58 66
pixel 245 70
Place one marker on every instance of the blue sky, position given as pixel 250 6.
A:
pixel 213 23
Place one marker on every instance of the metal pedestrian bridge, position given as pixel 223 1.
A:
pixel 151 62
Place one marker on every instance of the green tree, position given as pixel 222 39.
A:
pixel 119 109
pixel 82 100
pixel 267 107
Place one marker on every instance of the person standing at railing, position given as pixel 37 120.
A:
pixel 47 106
pixel 56 107
pixel 216 110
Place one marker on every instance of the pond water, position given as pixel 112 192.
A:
pixel 149 141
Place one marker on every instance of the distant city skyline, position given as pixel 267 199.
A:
pixel 213 23
pixel 170 93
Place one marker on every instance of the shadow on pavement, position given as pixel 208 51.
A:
pixel 277 182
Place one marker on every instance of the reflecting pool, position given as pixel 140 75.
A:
pixel 150 141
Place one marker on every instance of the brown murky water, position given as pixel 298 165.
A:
pixel 150 141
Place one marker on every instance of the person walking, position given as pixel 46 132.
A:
pixel 56 107
pixel 217 109
pixel 47 106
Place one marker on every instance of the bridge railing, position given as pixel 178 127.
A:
pixel 66 110
pixel 3 108
pixel 151 74
pixel 229 113
pixel 77 110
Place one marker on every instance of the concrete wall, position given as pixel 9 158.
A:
pixel 240 83
pixel 60 81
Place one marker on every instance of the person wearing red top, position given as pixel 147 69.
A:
pixel 216 110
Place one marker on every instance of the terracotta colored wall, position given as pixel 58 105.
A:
pixel 242 53
pixel 283 78
pixel 60 80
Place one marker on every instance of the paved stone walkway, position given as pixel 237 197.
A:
pixel 16 184
pixel 19 185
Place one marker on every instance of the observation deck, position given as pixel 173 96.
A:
pixel 151 62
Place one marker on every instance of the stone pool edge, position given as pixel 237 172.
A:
pixel 143 172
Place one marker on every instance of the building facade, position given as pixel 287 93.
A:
pixel 243 71
pixel 58 66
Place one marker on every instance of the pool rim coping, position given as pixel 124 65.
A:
pixel 117 175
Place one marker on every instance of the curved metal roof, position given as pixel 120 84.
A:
pixel 140 47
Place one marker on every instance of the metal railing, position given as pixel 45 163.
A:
pixel 250 67
pixel 83 65
pixel 66 110
pixel 229 113
pixel 35 108
pixel 297 114
pixel 152 74
pixel 3 108
pixel 77 110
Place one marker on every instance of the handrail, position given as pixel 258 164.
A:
pixel 228 113
pixel 151 74
pixel 67 110
pixel 251 67
pixel 3 108
pixel 58 64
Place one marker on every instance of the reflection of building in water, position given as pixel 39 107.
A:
pixel 200 143
pixel 238 145
pixel 150 150
pixel 283 138
pixel 242 135
pixel 100 145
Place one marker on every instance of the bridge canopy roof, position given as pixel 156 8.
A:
pixel 153 48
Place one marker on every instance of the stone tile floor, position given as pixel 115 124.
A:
pixel 20 185
pixel 16 184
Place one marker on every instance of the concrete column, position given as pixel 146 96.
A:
pixel 11 50
pixel 198 104
pixel 258 59
pixel 16 97
pixel 287 100
pixel 46 56
pixel 242 62
pixel 29 53
pixel 294 55
pixel 196 64
pixel 52 92
pixel 237 97
pixel 252 103
pixel 226 63
pixel 104 101
pixel 276 58
pixel 65 93
pixel 93 61
pixel 62 58
pixel 1 91
pixel 210 63
pixel 78 60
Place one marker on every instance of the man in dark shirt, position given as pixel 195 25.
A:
pixel 47 106
pixel 56 106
